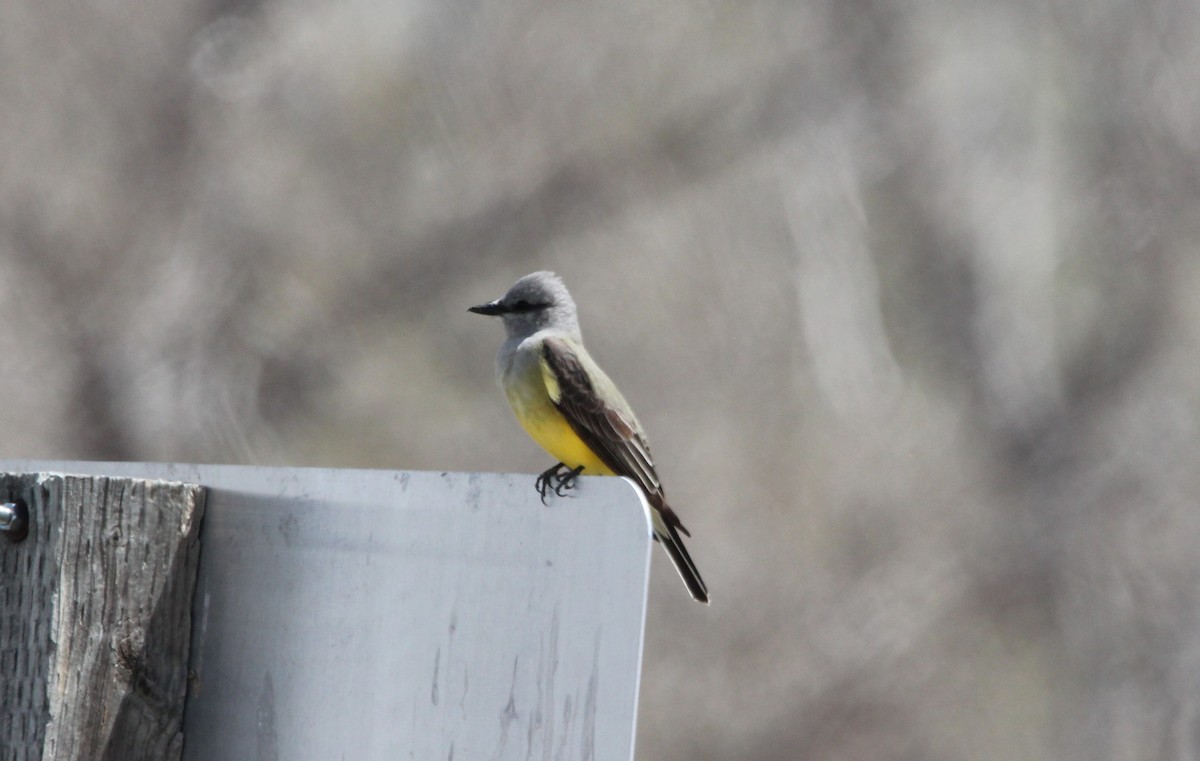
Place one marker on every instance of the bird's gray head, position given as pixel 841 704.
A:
pixel 535 302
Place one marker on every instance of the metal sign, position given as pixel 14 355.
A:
pixel 409 615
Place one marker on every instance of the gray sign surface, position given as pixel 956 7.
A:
pixel 356 614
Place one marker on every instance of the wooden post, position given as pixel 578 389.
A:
pixel 95 617
pixel 377 615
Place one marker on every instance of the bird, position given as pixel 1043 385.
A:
pixel 571 408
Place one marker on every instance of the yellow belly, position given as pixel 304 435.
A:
pixel 546 425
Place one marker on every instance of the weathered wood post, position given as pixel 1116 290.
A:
pixel 95 617
pixel 362 614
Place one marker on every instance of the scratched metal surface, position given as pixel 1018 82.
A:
pixel 353 614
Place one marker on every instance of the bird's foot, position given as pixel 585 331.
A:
pixel 567 480
pixel 557 481
pixel 545 482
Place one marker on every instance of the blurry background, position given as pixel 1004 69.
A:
pixel 906 294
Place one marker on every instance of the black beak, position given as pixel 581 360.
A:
pixel 491 308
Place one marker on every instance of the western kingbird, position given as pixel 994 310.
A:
pixel 570 407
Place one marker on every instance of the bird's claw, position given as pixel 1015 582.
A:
pixel 567 480
pixel 544 483
pixel 555 480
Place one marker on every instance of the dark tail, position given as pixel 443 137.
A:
pixel 683 563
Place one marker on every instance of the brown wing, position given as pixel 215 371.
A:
pixel 608 431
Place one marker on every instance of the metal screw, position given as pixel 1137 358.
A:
pixel 14 520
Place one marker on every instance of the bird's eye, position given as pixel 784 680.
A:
pixel 525 305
